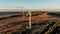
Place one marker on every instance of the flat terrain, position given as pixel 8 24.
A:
pixel 42 23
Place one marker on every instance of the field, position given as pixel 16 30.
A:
pixel 42 22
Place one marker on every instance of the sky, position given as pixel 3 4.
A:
pixel 30 4
pixel 9 4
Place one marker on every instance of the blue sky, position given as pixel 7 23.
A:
pixel 30 4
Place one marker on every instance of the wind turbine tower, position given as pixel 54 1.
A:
pixel 29 19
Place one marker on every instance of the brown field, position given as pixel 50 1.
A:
pixel 42 23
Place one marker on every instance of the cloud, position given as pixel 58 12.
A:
pixel 31 7
pixel 43 7
pixel 10 7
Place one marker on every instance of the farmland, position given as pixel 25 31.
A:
pixel 42 23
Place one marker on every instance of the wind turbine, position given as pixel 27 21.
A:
pixel 29 19
pixel 29 25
